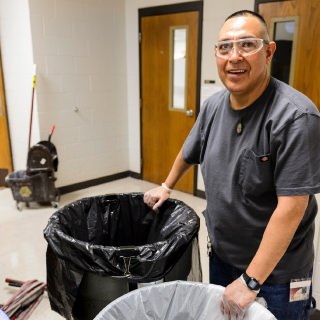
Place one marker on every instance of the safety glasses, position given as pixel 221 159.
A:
pixel 245 47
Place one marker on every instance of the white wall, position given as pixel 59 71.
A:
pixel 79 48
pixel 17 63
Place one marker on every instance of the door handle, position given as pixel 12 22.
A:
pixel 189 113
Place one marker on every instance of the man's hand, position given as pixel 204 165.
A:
pixel 236 300
pixel 154 198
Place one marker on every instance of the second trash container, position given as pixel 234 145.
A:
pixel 99 247
pixel 178 300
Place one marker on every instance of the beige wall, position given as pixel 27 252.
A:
pixel 79 48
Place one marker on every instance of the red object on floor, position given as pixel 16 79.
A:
pixel 25 300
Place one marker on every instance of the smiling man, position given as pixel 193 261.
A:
pixel 257 143
pixel 241 52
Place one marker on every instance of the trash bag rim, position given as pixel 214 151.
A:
pixel 62 235
pixel 95 253
pixel 172 200
pixel 254 309
pixel 173 284
pixel 140 248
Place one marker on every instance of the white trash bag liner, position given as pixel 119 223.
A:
pixel 176 300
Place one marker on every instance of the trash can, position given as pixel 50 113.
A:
pixel 102 247
pixel 178 300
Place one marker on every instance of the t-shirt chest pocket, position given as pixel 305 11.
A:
pixel 255 173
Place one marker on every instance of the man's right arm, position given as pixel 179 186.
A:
pixel 154 198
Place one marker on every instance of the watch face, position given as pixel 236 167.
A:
pixel 252 284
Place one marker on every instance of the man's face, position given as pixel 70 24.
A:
pixel 244 75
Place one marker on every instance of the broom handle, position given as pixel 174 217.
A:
pixel 34 81
pixel 15 283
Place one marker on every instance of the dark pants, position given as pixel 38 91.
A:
pixel 275 295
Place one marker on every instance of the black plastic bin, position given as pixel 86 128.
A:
pixel 99 248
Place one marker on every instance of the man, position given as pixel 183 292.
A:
pixel 257 144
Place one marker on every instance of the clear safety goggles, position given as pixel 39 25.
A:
pixel 245 47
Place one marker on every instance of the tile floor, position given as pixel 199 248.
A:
pixel 23 248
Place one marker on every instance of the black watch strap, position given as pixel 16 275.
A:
pixel 251 283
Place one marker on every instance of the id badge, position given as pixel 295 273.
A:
pixel 299 289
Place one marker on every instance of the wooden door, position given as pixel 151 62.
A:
pixel 164 128
pixel 307 57
pixel 5 150
pixel 307 62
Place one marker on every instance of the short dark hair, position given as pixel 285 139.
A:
pixel 247 13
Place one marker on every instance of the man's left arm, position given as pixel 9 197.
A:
pixel 275 241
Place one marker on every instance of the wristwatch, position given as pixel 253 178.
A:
pixel 251 283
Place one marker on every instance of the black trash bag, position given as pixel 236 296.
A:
pixel 114 235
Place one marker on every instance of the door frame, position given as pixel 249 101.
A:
pixel 167 9
pixel 3 111
pixel 258 2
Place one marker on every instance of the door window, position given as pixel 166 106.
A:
pixel 178 67
pixel 284 33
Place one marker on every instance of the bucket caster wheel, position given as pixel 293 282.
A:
pixel 57 195
pixel 19 206
pixel 55 204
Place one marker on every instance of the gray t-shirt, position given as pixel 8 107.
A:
pixel 249 157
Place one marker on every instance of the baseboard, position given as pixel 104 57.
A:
pixel 95 182
pixel 200 194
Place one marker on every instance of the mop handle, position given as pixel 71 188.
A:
pixel 51 132
pixel 34 82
